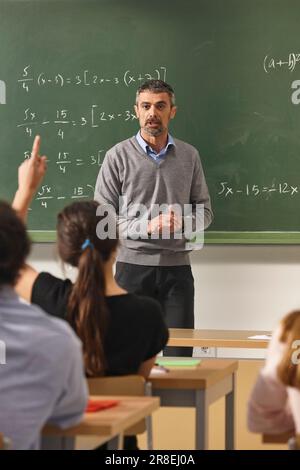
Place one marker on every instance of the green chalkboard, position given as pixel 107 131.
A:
pixel 69 71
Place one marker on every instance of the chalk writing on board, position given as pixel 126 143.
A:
pixel 60 120
pixel 87 78
pixel 66 159
pixel 47 193
pixel 94 117
pixel 270 64
pixel 283 188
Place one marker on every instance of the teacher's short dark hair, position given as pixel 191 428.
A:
pixel 156 86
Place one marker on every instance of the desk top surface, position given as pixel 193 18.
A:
pixel 217 338
pixel 207 373
pixel 111 421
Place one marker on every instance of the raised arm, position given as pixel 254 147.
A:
pixel 30 175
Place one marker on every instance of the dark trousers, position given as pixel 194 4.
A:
pixel 172 286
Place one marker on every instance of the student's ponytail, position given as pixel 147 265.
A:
pixel 87 311
pixel 289 368
pixel 79 246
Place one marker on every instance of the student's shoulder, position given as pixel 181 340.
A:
pixel 49 330
pixel 51 293
pixel 45 280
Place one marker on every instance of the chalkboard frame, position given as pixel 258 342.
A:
pixel 210 238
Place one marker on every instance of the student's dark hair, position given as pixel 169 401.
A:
pixel 157 86
pixel 288 370
pixel 78 245
pixel 14 244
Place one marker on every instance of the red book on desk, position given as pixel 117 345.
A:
pixel 98 405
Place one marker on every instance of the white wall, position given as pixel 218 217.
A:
pixel 245 287
pixel 237 287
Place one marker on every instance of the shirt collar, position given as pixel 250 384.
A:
pixel 146 147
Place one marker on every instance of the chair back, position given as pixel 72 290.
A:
pixel 128 385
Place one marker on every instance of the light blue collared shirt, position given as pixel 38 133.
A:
pixel 157 157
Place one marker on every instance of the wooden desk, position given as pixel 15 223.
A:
pixel 110 423
pixel 217 338
pixel 199 387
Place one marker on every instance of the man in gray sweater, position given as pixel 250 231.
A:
pixel 156 185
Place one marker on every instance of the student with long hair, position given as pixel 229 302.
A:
pixel 41 368
pixel 274 405
pixel 121 332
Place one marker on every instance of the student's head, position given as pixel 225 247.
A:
pixel 289 367
pixel 78 245
pixel 76 224
pixel 14 245
pixel 154 107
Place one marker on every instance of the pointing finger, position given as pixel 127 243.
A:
pixel 36 147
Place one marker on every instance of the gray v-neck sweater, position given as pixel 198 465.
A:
pixel 178 179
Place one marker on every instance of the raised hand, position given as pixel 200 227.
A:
pixel 30 175
pixel 32 171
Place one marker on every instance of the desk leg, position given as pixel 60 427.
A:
pixel 229 417
pixel 148 419
pixel 201 420
pixel 116 443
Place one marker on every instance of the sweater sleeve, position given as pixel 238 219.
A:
pixel 269 408
pixel 199 193
pixel 51 294
pixel 201 214
pixel 108 185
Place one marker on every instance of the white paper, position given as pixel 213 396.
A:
pixel 158 370
pixel 260 337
